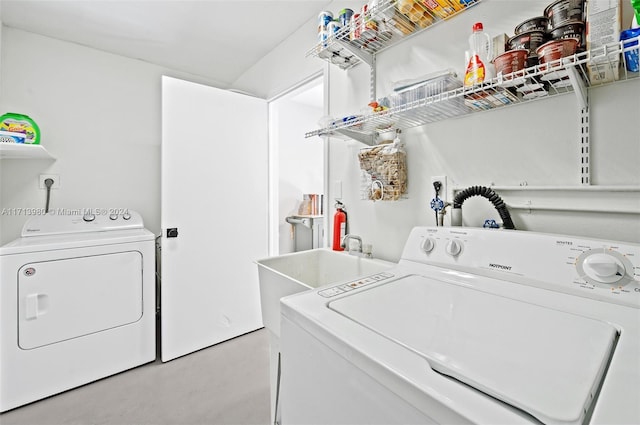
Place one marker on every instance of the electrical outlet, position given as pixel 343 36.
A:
pixel 54 177
pixel 443 189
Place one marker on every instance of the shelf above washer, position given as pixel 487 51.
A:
pixel 23 151
pixel 345 49
pixel 562 76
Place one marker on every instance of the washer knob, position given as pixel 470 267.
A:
pixel 428 244
pixel 454 247
pixel 126 216
pixel 88 216
pixel 113 216
pixel 604 268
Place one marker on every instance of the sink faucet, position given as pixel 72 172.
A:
pixel 345 243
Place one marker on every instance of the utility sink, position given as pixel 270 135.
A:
pixel 300 271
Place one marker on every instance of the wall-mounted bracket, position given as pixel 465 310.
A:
pixel 363 55
pixel 579 87
pixel 367 139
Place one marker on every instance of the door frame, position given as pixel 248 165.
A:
pixel 273 167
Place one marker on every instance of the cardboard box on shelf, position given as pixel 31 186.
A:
pixel 603 28
pixel 490 98
pixel 499 45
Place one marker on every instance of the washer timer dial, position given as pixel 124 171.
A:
pixel 454 247
pixel 603 267
pixel 428 244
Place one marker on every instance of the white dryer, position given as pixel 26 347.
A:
pixel 77 303
pixel 472 326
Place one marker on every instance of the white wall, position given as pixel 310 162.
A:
pixel 100 116
pixel 286 65
pixel 536 143
pixel 89 118
pixel 1 27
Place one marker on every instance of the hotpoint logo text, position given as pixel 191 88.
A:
pixel 499 266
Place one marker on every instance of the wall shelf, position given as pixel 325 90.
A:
pixel 344 51
pixel 562 76
pixel 393 22
pixel 23 151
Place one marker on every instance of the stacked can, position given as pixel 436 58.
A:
pixel 344 17
pixel 530 35
pixel 324 18
pixel 566 20
pixel 342 22
pixel 333 28
pixel 356 27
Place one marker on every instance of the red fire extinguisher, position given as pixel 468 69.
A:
pixel 339 226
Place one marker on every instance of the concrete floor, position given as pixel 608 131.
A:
pixel 224 384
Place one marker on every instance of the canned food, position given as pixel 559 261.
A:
pixel 574 29
pixel 562 12
pixel 556 49
pixel 324 18
pixel 356 28
pixel 529 40
pixel 333 28
pixel 511 61
pixel 539 23
pixel 323 35
pixel 345 17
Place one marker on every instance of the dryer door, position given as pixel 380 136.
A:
pixel 68 298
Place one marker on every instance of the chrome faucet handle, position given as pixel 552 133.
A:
pixel 349 237
pixel 343 242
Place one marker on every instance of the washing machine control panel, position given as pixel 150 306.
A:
pixel 355 284
pixel 62 221
pixel 600 269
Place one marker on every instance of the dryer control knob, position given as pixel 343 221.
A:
pixel 89 216
pixel 454 247
pixel 428 244
pixel 604 268
pixel 126 216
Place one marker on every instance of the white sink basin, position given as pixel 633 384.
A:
pixel 300 271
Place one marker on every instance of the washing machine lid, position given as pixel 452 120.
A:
pixel 545 362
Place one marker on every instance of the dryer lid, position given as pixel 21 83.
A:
pixel 545 362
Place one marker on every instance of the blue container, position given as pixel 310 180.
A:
pixel 345 17
pixel 324 18
pixel 631 56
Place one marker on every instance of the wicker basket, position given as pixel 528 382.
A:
pixel 384 172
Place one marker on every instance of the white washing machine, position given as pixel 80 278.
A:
pixel 77 303
pixel 472 326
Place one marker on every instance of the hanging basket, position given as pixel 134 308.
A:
pixel 384 172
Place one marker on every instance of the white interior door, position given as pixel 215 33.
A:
pixel 214 192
